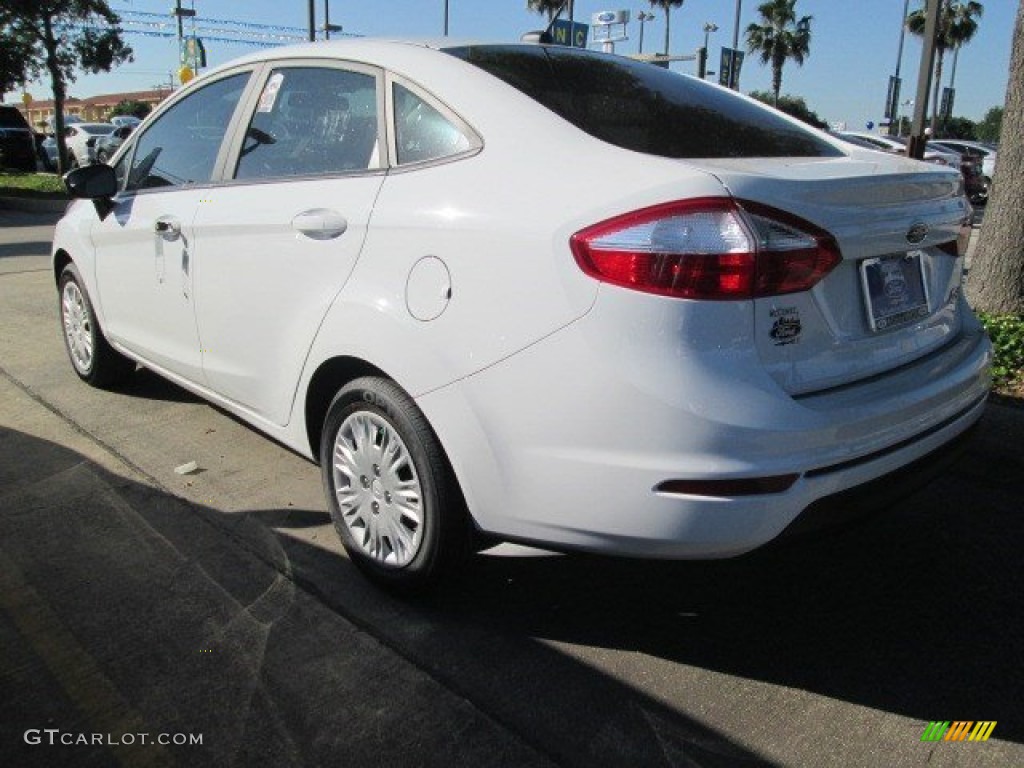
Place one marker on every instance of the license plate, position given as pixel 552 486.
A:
pixel 894 290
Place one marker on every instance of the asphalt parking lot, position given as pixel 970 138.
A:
pixel 134 600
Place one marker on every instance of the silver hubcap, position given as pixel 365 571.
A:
pixel 77 328
pixel 377 489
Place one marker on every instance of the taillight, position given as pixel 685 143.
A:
pixel 708 248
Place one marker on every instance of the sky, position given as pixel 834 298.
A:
pixel 854 44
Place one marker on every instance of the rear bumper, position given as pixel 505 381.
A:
pixel 880 493
pixel 566 445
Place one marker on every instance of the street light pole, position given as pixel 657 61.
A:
pixel 899 58
pixel 736 27
pixel 643 17
pixel 446 18
pixel 312 22
pixel 709 27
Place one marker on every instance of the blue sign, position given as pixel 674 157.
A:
pixel 570 33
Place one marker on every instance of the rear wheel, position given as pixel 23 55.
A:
pixel 92 357
pixel 392 495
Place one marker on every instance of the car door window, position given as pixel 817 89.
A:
pixel 311 121
pixel 422 133
pixel 181 146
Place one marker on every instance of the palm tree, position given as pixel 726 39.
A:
pixel 548 7
pixel 779 38
pixel 666 5
pixel 957 24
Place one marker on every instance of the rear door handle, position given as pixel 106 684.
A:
pixel 168 227
pixel 320 224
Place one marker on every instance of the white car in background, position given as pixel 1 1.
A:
pixel 81 141
pixel 898 146
pixel 986 153
pixel 530 293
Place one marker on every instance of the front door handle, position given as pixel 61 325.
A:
pixel 320 224
pixel 168 227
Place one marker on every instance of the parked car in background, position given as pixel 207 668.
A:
pixel 740 326
pixel 120 120
pixel 974 181
pixel 107 145
pixel 68 120
pixel 976 148
pixel 860 141
pixel 48 148
pixel 81 141
pixel 17 140
pixel 898 145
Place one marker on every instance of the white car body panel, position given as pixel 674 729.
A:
pixel 561 401
pixel 278 287
pixel 145 280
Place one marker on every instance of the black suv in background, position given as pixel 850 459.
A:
pixel 17 142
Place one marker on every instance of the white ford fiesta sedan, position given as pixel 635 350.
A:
pixel 528 293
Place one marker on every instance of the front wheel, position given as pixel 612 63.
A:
pixel 392 495
pixel 92 357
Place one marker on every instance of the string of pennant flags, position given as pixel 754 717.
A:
pixel 226 31
pixel 126 15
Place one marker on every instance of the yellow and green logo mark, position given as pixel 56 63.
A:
pixel 958 730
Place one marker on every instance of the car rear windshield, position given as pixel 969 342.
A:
pixel 96 130
pixel 643 107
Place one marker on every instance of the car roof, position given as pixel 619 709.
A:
pixel 369 49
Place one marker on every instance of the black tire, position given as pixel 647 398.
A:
pixel 442 543
pixel 101 365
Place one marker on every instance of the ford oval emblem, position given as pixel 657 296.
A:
pixel 917 232
pixel 606 17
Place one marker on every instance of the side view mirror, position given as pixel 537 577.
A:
pixel 93 182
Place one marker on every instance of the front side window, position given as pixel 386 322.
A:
pixel 421 132
pixel 311 121
pixel 181 146
pixel 644 108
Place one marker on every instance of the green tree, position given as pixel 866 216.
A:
pixel 779 37
pixel 959 128
pixel 791 105
pixel 990 125
pixel 137 109
pixel 995 283
pixel 958 22
pixel 666 6
pixel 547 7
pixel 62 38
pixel 12 61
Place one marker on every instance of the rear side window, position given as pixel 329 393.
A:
pixel 642 107
pixel 422 133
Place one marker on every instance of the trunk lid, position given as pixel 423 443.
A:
pixel 894 221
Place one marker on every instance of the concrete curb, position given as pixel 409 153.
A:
pixel 35 204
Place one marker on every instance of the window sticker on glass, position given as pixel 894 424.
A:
pixel 269 95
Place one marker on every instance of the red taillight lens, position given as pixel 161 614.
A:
pixel 708 248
